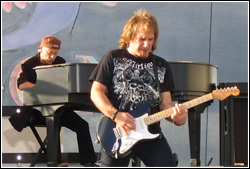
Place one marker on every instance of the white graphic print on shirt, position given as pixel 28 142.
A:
pixel 134 83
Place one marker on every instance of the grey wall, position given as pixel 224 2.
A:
pixel 186 30
pixel 214 33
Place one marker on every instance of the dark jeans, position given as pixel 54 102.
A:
pixel 152 153
pixel 74 122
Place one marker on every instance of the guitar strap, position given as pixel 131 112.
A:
pixel 156 76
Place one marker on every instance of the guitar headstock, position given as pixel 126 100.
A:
pixel 222 94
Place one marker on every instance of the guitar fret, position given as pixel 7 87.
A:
pixel 197 101
pixel 162 115
pixel 158 116
pixel 190 104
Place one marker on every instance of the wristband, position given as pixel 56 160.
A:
pixel 115 115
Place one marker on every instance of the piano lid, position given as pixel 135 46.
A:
pixel 193 78
pixel 52 66
pixel 60 84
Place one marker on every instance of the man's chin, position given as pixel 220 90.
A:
pixel 49 62
pixel 144 54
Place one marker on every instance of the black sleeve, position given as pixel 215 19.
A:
pixel 103 72
pixel 169 80
pixel 28 74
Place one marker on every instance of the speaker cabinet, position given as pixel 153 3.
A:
pixel 234 127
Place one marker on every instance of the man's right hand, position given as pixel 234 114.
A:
pixel 126 121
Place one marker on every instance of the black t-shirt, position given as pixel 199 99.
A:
pixel 131 81
pixel 28 73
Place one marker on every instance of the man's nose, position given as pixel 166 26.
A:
pixel 146 43
pixel 53 56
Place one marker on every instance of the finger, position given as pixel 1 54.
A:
pixel 130 122
pixel 177 107
pixel 124 131
pixel 182 109
pixel 175 111
pixel 130 126
pixel 130 117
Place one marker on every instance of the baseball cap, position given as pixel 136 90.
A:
pixel 50 42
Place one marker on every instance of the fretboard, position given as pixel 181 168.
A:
pixel 154 118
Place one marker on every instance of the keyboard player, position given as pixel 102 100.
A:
pixel 47 55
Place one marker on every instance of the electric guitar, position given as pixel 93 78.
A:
pixel 117 144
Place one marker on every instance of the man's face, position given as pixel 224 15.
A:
pixel 141 45
pixel 48 55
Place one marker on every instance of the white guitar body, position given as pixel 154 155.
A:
pixel 140 133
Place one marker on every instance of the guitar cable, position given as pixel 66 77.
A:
pixel 99 156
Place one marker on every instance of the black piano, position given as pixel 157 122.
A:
pixel 57 86
pixel 68 85
pixel 193 80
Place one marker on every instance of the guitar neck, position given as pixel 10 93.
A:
pixel 154 118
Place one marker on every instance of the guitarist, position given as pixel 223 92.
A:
pixel 125 79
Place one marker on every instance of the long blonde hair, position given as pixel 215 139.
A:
pixel 130 29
